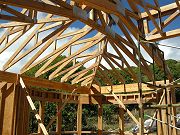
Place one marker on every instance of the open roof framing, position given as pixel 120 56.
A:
pixel 96 36
pixel 110 30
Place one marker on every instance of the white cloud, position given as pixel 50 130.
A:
pixel 171 53
pixel 9 52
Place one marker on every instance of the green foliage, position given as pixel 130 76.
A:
pixel 159 74
pixel 33 70
pixel 50 111
pixel 69 114
pixel 174 67
pixel 108 113
pixel 126 76
pixel 33 124
pixel 90 115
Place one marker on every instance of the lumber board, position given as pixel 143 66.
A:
pixel 167 9
pixel 126 88
pixel 96 41
pixel 43 83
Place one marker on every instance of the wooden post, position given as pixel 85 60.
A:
pixel 41 114
pixel 8 110
pixel 59 118
pixel 173 109
pixel 165 116
pixel 121 120
pixel 79 118
pixel 3 87
pixel 26 116
pixel 100 120
pixel 141 109
pixel 20 102
pixel 14 110
pixel 141 119
pixel 159 116
pixel 33 107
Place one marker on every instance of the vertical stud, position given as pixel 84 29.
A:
pixel 59 119
pixel 79 118
pixel 41 114
pixel 100 120
pixel 121 120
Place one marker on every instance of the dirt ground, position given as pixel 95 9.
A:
pixel 129 133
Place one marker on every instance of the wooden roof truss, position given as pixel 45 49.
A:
pixel 40 31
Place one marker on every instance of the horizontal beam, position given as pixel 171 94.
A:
pixel 165 10
pixel 42 83
pixel 166 35
pixel 43 7
pixel 53 96
pixel 127 88
pixel 49 20
pixel 13 18
pixel 161 106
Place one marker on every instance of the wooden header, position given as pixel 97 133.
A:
pixel 127 87
pixel 43 83
pixel 167 9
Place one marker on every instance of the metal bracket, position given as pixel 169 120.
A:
pixel 120 8
pixel 115 18
pixel 110 31
pixel 80 13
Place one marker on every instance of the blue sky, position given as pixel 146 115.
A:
pixel 173 25
pixel 169 52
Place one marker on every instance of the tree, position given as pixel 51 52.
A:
pixel 69 111
pixel 90 111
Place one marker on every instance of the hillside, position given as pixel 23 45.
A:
pixel 110 112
